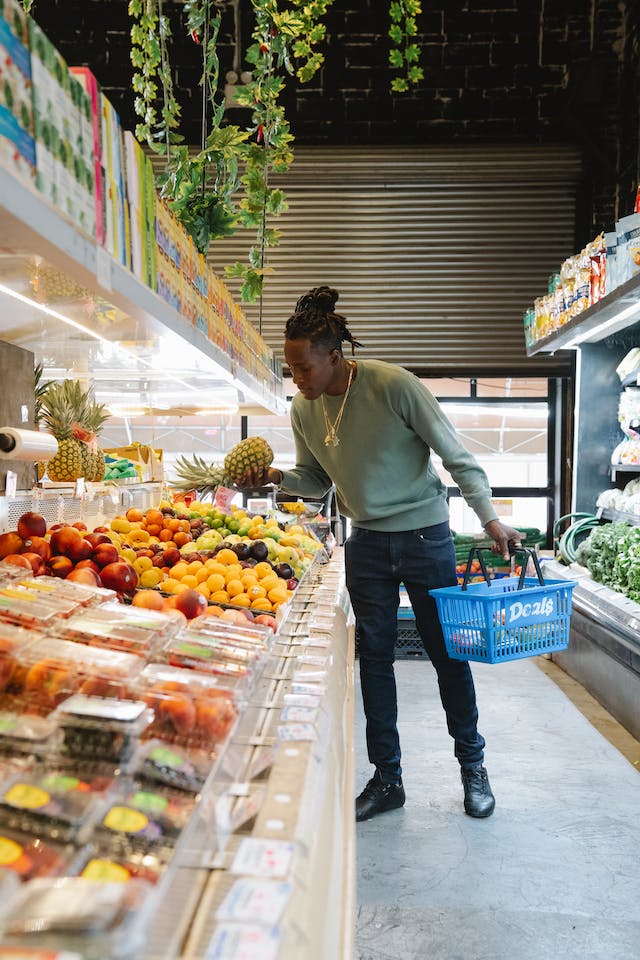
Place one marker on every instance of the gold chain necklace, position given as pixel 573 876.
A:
pixel 332 439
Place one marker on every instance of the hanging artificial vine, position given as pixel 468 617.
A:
pixel 404 55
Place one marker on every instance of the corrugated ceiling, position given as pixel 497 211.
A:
pixel 436 251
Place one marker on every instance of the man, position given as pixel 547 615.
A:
pixel 369 427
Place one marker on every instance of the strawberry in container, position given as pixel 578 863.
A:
pixel 50 670
pixel 190 708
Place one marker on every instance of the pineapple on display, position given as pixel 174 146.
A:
pixel 252 453
pixel 59 417
pixel 39 391
pixel 197 474
pixel 95 415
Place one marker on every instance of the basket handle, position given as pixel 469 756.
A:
pixel 483 567
pixel 530 555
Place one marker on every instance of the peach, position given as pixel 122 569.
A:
pixel 191 603
pixel 60 566
pixel 10 543
pixel 119 576
pixel 63 539
pixel 37 545
pixel 97 537
pixel 105 553
pixel 80 550
pixel 88 565
pixel 84 575
pixel 79 525
pixel 38 565
pixel 149 599
pixel 31 524
pixel 19 560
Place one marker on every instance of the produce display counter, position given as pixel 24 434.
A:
pixel 604 647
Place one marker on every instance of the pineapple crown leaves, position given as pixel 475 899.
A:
pixel 40 390
pixel 198 474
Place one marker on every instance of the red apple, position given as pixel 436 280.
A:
pixel 87 565
pixel 10 543
pixel 84 575
pixel 63 539
pixel 96 538
pixel 19 559
pixel 101 529
pixel 80 550
pixel 79 525
pixel 60 566
pixel 105 553
pixel 121 576
pixel 37 545
pixel 292 583
pixel 191 603
pixel 38 565
pixel 31 525
pixel 158 560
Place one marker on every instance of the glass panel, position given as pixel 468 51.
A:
pixel 511 387
pixel 449 386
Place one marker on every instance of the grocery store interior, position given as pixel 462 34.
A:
pixel 182 731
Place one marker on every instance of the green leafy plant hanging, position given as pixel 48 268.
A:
pixel 404 54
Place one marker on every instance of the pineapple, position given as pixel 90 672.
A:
pixel 39 391
pixel 96 415
pixel 200 475
pixel 252 453
pixel 59 415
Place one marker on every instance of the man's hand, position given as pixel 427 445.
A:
pixel 504 537
pixel 254 479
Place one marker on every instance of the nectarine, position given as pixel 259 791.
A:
pixel 10 542
pixel 119 576
pixel 37 545
pixel 31 524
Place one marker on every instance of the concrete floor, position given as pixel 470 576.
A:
pixel 554 874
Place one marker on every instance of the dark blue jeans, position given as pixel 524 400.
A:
pixel 376 564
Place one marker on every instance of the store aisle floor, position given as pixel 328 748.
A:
pixel 554 874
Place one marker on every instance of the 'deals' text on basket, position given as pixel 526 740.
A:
pixel 539 608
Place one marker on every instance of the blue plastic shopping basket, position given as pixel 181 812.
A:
pixel 506 619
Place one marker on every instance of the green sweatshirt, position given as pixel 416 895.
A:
pixel 382 468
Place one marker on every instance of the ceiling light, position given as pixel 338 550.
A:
pixel 214 411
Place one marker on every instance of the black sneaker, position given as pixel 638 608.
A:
pixel 479 801
pixel 378 797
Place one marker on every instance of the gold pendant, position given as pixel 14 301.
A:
pixel 331 440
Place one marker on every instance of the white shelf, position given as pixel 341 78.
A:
pixel 113 308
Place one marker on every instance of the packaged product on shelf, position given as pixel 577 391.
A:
pixel 199 650
pixel 253 635
pixel 17 148
pixel 96 920
pixel 139 818
pixel 183 768
pixel 23 733
pixel 14 14
pixel 611 261
pixel 27 611
pixel 50 670
pixel 15 77
pixel 30 857
pixel 52 805
pixel 103 867
pixel 597 259
pixel 628 248
pixel 119 626
pixel 62 606
pixel 191 707
pixel 82 593
pixel 92 135
pixel 101 729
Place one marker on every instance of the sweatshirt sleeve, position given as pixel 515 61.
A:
pixel 424 414
pixel 307 479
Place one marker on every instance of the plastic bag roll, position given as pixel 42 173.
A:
pixel 26 444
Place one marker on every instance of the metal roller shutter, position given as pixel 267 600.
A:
pixel 436 251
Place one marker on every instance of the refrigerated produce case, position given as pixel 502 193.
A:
pixel 604 648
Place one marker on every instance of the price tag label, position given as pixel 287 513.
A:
pixel 263 858
pixel 294 714
pixel 104 268
pixel 243 941
pixel 79 490
pixel 224 496
pixel 259 901
pixel 297 731
pixel 11 483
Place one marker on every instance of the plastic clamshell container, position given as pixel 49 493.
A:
pixel 25 733
pixel 95 920
pixel 30 857
pixel 182 768
pixel 190 708
pixel 254 633
pixel 53 805
pixel 12 640
pixel 11 571
pixel 143 818
pixel 50 670
pixel 97 631
pixel 82 593
pixel 101 729
pixel 26 611
pixel 104 867
pixel 192 647
pixel 63 606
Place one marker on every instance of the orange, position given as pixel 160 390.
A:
pixel 134 515
pixel 226 556
pixel 149 599
pixel 277 594
pixel 262 569
pixel 213 566
pixel 194 566
pixel 181 538
pixel 202 575
pixel 261 604
pixel 204 590
pixel 241 600
pixel 234 587
pixel 189 580
pixel 270 581
pixel 179 569
pixel 255 591
pixel 213 611
pixel 219 596
pixel 154 516
pixel 154 529
pixel 169 585
pixel 215 582
pixel 233 572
